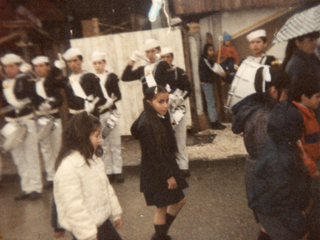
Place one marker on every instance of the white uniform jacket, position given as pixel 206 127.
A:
pixel 84 197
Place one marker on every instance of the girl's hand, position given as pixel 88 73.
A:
pixel 172 184
pixel 118 223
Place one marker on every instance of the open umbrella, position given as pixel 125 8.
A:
pixel 299 24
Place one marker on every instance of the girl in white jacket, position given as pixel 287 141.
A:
pixel 86 202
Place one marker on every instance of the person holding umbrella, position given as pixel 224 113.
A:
pixel 301 31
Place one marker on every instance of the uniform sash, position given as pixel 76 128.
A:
pixel 76 86
pixel 40 88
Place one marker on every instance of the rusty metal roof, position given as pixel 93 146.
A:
pixel 188 7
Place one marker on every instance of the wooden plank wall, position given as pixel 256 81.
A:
pixel 185 7
pixel 118 48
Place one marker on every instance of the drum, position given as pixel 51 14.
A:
pixel 12 134
pixel 111 122
pixel 176 114
pixel 243 83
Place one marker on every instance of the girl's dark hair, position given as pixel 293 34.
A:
pixel 76 137
pixel 205 49
pixel 156 127
pixel 279 79
pixel 292 45
pixel 305 84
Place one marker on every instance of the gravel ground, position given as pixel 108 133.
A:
pixel 225 145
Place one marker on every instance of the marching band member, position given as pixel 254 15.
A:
pixel 258 44
pixel 181 84
pixel 16 90
pixel 47 100
pixel 111 144
pixel 82 89
pixel 156 72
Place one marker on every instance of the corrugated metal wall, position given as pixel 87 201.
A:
pixel 119 48
pixel 184 7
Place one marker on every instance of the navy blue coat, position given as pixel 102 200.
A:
pixel 281 185
pixel 251 118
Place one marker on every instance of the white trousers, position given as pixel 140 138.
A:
pixel 181 138
pixel 26 158
pixel 111 146
pixel 50 147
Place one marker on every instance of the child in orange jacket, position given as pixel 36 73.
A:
pixel 306 97
pixel 227 55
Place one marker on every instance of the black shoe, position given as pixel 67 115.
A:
pixel 22 196
pixel 155 237
pixel 185 173
pixel 118 178
pixel 34 195
pixel 263 236
pixel 217 125
pixel 48 185
pixel 110 177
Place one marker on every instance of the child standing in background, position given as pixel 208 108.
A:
pixel 209 73
pixel 86 202
pixel 161 179
pixel 227 55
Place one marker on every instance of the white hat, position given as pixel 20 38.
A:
pixel 96 56
pixel 151 43
pixel 71 52
pixel 166 50
pixel 11 58
pixel 40 59
pixel 256 34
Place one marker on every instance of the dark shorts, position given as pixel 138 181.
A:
pixel 164 198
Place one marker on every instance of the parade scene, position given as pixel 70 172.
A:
pixel 159 119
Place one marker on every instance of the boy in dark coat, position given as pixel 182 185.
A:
pixel 280 192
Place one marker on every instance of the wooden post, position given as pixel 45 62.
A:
pixel 186 52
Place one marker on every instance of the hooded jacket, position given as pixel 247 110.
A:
pixel 251 118
pixel 281 183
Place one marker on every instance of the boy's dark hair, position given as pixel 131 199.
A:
pixel 279 79
pixel 80 57
pixel 305 84
pixel 155 126
pixel 205 49
pixel 76 137
pixel 264 39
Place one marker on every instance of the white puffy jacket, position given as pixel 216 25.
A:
pixel 84 197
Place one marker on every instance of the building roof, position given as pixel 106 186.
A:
pixel 191 7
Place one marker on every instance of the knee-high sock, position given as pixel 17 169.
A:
pixel 161 232
pixel 169 220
